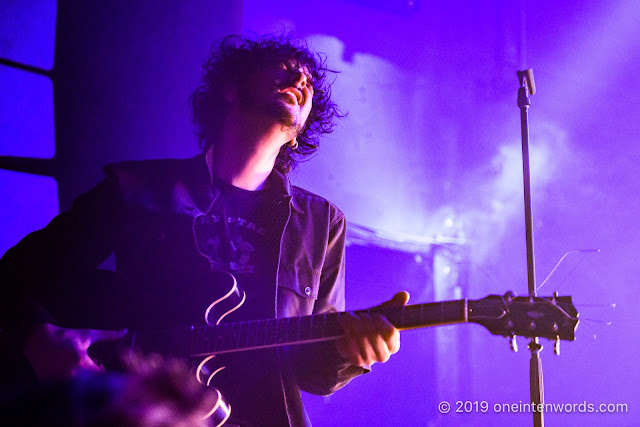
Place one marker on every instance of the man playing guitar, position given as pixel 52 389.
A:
pixel 172 223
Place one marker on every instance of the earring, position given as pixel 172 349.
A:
pixel 293 144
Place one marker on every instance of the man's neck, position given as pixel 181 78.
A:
pixel 246 153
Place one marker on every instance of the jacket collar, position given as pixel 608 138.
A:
pixel 277 182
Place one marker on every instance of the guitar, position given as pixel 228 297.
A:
pixel 554 318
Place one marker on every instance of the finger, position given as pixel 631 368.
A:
pixel 358 336
pixel 380 350
pixel 383 326
pixel 380 341
pixel 87 363
pixel 347 321
pixel 372 346
pixel 350 352
pixel 98 335
pixel 78 339
pixel 398 300
pixel 83 338
pixel 352 346
pixel 390 333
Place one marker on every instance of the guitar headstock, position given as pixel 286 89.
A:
pixel 552 317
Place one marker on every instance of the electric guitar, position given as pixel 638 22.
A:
pixel 554 318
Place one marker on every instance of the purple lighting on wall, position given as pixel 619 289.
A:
pixel 29 203
pixel 26 116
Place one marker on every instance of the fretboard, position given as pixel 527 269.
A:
pixel 258 334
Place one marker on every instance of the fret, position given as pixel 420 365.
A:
pixel 411 315
pixel 282 330
pixel 317 326
pixel 218 336
pixel 421 315
pixel 431 313
pixel 231 336
pixel 218 332
pixel 244 333
pixel 489 312
pixel 237 336
pixel 440 313
pixel 256 330
pixel 324 326
pixel 306 323
pixel 290 334
pixel 270 335
pixel 277 331
pixel 261 333
pixel 227 338
pixel 333 328
pixel 253 333
pixel 454 312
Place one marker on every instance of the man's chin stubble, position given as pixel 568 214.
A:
pixel 289 122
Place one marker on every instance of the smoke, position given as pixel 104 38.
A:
pixel 493 201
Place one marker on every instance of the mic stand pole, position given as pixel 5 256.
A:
pixel 536 388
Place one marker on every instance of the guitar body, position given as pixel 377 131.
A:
pixel 152 328
pixel 230 376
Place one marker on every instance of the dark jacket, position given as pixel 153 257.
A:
pixel 143 213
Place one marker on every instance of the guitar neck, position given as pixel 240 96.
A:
pixel 259 334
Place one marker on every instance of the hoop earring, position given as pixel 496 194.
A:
pixel 293 144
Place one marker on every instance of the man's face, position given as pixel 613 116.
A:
pixel 280 91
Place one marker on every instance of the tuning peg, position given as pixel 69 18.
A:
pixel 513 344
pixel 556 346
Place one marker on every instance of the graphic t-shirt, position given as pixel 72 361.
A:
pixel 241 235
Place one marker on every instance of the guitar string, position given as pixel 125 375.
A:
pixel 553 270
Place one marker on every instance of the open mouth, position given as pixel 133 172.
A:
pixel 295 94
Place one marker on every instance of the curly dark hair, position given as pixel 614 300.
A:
pixel 232 61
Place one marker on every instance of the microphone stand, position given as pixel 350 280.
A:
pixel 536 388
